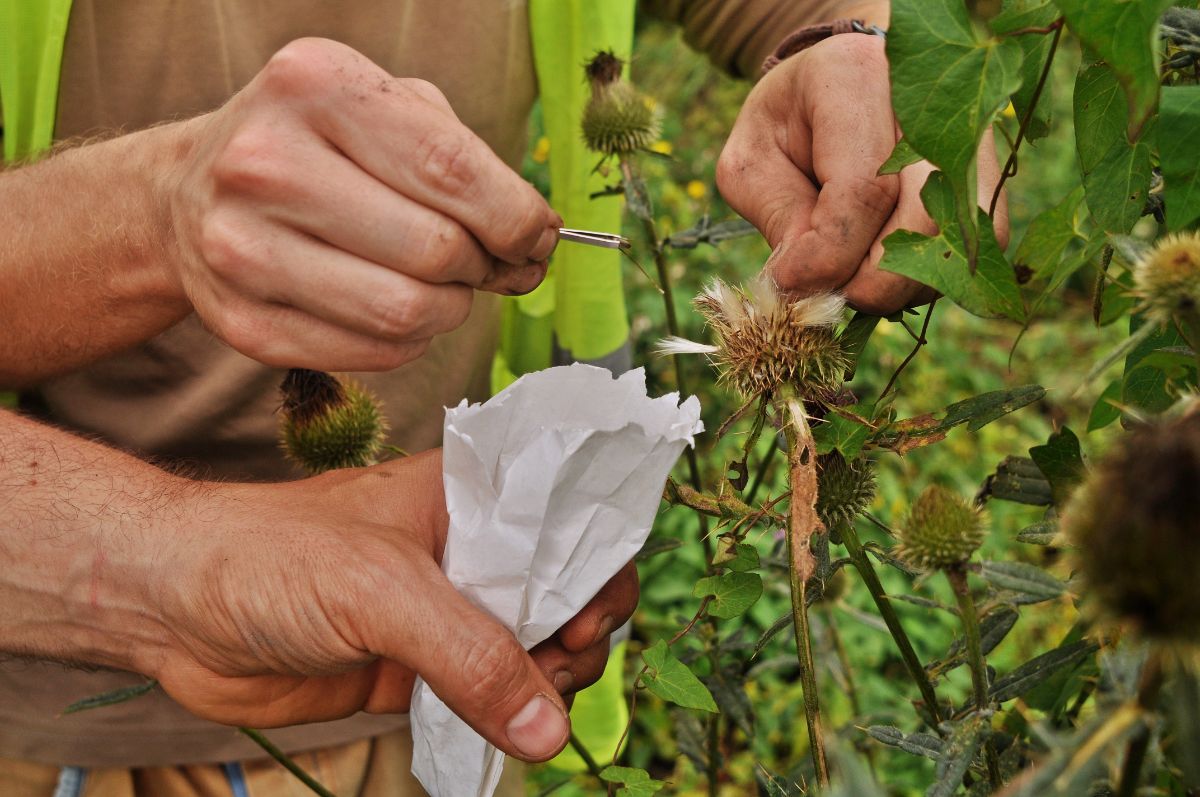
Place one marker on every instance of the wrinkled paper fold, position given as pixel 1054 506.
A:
pixel 552 487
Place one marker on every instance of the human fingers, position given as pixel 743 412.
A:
pixel 571 671
pixel 605 613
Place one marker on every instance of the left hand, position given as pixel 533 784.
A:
pixel 801 165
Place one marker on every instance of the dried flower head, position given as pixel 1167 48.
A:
pixel 1136 525
pixel 618 119
pixel 1167 278
pixel 328 424
pixel 941 531
pixel 765 342
pixel 844 489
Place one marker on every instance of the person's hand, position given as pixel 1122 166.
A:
pixel 332 216
pixel 316 599
pixel 801 165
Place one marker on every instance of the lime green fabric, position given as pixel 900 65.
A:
pixel 32 33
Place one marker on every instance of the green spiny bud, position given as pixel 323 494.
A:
pixel 844 489
pixel 1135 524
pixel 618 119
pixel 941 531
pixel 328 424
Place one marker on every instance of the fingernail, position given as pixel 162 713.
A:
pixel 545 245
pixel 563 680
pixel 539 729
pixel 606 627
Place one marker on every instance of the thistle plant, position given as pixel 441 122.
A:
pixel 618 120
pixel 328 424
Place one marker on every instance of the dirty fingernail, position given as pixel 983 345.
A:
pixel 545 245
pixel 539 729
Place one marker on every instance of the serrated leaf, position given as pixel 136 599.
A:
pixel 1022 578
pixel 1039 669
pixel 841 431
pixel 1061 461
pixel 670 679
pixel 959 751
pixel 1122 33
pixel 1116 174
pixel 1178 121
pixel 940 261
pixel 112 697
pixel 922 744
pixel 902 155
pixel 949 80
pixel 732 593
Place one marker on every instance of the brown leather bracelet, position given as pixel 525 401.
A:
pixel 807 36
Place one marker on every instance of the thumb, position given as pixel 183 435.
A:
pixel 480 670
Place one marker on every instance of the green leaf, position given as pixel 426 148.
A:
pixel 976 412
pixel 655 546
pixel 1036 670
pixel 1184 717
pixel 1015 15
pixel 1048 237
pixel 112 697
pixel 949 80
pixel 993 628
pixel 1178 121
pixel 1022 578
pixel 732 593
pixel 841 431
pixel 853 339
pixel 940 261
pixel 669 678
pixel 1061 461
pixel 922 744
pixel 1146 388
pixel 1105 411
pixel 1122 33
pixel 742 558
pixel 635 782
pixel 1044 533
pixel 902 155
pixel 959 751
pixel 1116 174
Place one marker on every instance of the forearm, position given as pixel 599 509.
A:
pixel 81 527
pixel 85 249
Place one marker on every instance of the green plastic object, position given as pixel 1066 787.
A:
pixel 32 33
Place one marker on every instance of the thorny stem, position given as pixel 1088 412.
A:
pixel 802 524
pixel 858 557
pixel 1010 166
pixel 664 282
pixel 1147 696
pixel 286 762
pixel 957 576
pixel 921 341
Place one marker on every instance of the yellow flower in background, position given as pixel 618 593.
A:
pixel 696 189
pixel 1009 112
pixel 541 150
pixel 661 147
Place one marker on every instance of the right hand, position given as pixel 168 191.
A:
pixel 311 600
pixel 332 216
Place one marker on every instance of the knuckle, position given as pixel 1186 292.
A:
pixel 730 167
pixel 299 68
pixel 446 162
pixel 426 91
pixel 248 163
pixel 865 51
pixel 519 237
pixel 494 669
pixel 246 332
pixel 396 315
pixel 224 246
pixel 389 357
pixel 444 244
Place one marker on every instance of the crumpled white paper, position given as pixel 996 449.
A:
pixel 552 487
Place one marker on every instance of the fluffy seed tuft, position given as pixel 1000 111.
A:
pixel 1167 279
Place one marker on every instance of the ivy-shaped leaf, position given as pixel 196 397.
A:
pixel 1178 121
pixel 1122 33
pixel 949 80
pixel 902 155
pixel 742 557
pixel 1061 461
pixel 732 593
pixel 940 261
pixel 634 782
pixel 841 431
pixel 669 678
pixel 1015 15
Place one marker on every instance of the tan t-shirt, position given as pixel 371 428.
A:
pixel 186 396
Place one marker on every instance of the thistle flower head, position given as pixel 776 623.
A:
pixel 327 424
pixel 844 489
pixel 941 531
pixel 765 342
pixel 618 119
pixel 1136 525
pixel 1167 278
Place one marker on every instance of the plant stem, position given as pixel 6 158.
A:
pixel 583 753
pixel 286 762
pixel 858 556
pixel 1147 696
pixel 921 341
pixel 714 755
pixel 957 576
pixel 802 523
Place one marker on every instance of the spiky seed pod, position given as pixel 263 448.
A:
pixel 941 531
pixel 1136 525
pixel 327 424
pixel 765 342
pixel 618 119
pixel 844 489
pixel 1167 279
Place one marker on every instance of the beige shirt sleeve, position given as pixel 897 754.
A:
pixel 738 34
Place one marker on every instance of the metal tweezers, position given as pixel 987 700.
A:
pixel 606 240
